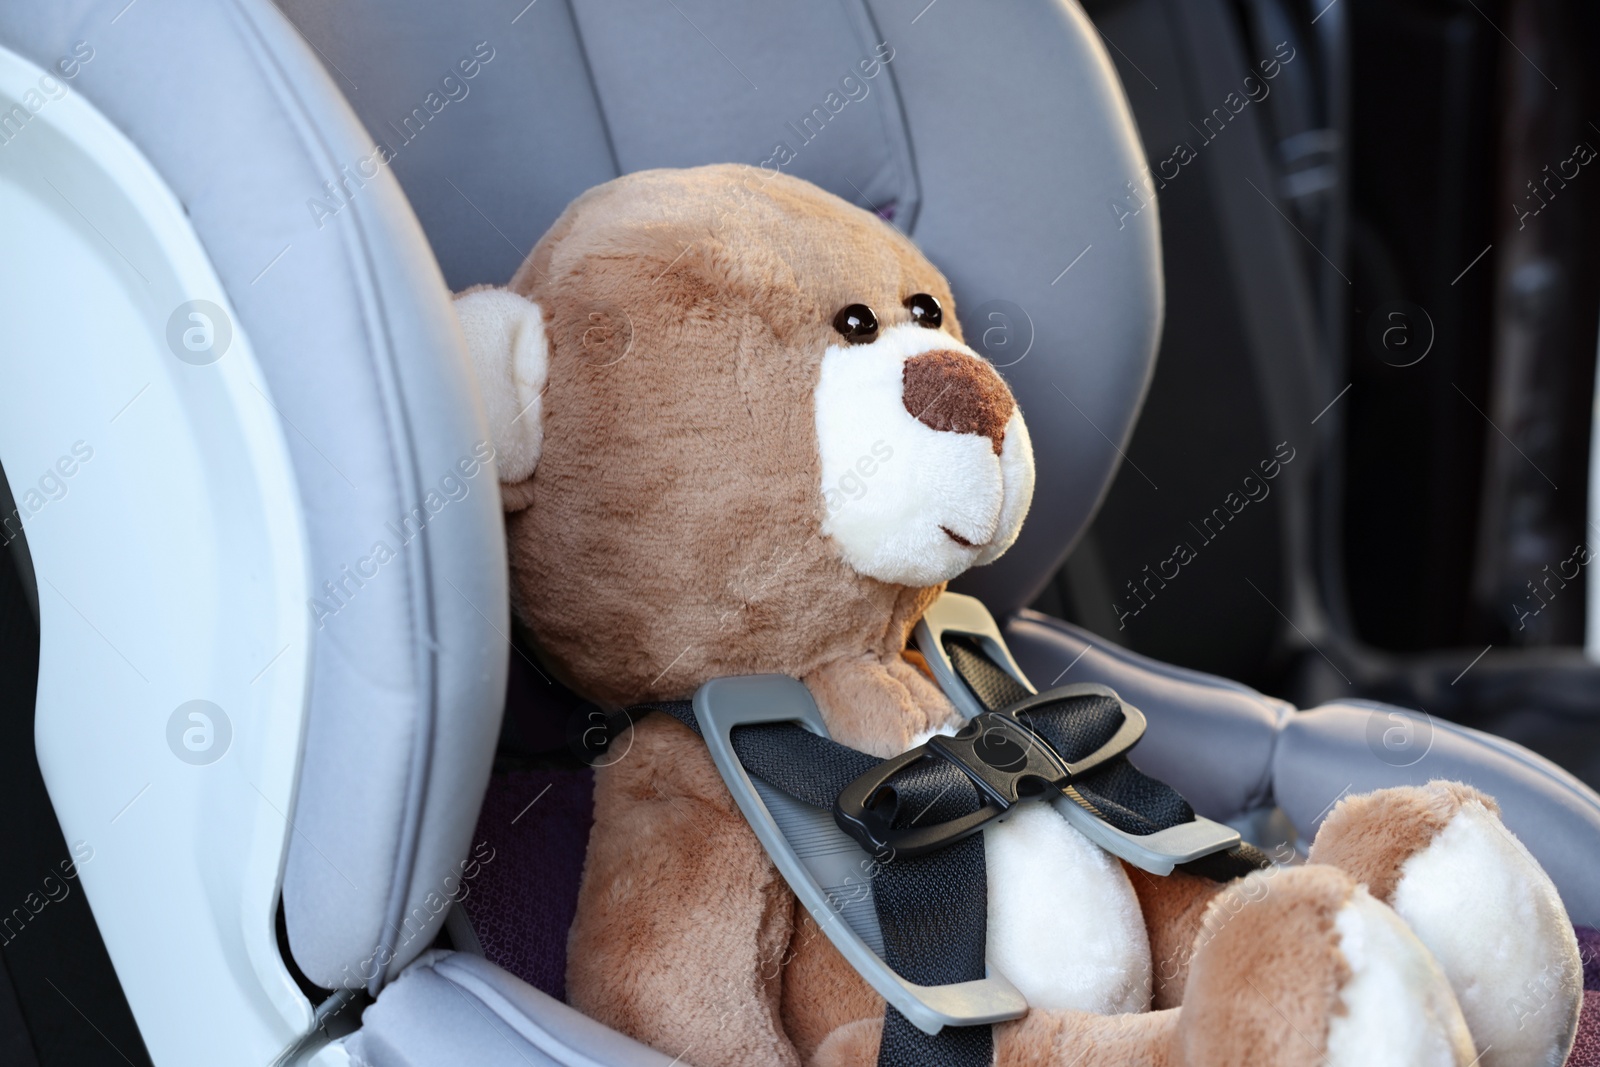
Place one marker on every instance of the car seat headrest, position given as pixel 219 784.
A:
pixel 1004 147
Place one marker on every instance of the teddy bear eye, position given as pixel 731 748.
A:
pixel 925 310
pixel 857 323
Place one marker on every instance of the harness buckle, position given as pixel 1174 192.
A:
pixel 1006 760
pixel 828 874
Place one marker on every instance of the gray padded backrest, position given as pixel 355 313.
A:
pixel 999 140
pixel 363 361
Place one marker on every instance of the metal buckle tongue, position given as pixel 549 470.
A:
pixel 1006 760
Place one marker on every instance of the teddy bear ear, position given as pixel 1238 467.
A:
pixel 506 339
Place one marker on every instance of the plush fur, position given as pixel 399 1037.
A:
pixel 1398 1007
pixel 1174 908
pixel 1088 951
pixel 1482 905
pixel 495 322
pixel 688 313
pixel 926 465
pixel 689 516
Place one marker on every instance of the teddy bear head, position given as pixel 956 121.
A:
pixel 737 432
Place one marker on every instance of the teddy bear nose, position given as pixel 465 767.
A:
pixel 954 392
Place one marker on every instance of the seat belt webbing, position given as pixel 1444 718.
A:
pixel 934 913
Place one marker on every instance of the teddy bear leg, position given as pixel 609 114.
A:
pixel 1300 966
pixel 1440 856
pixel 1292 967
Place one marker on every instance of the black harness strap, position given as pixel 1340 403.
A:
pixel 934 912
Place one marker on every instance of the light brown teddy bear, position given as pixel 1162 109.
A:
pixel 739 433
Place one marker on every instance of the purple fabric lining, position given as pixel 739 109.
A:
pixel 1589 949
pixel 524 899
pixel 1586 1049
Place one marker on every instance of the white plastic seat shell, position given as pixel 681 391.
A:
pixel 363 373
pixel 170 566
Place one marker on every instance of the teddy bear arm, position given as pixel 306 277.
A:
pixel 682 922
pixel 821 991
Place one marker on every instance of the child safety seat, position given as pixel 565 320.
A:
pixel 217 285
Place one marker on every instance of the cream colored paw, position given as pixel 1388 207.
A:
pixel 1398 1008
pixel 1305 968
pixel 1493 920
pixel 851 1045
pixel 1064 922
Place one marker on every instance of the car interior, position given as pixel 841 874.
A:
pixel 1202 240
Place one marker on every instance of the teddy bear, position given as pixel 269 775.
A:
pixel 738 432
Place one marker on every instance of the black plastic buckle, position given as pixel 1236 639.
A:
pixel 1006 760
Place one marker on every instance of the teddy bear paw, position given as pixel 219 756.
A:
pixel 1474 895
pixel 1398 1005
pixel 1303 966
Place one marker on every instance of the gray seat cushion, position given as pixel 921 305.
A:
pixel 453 1008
